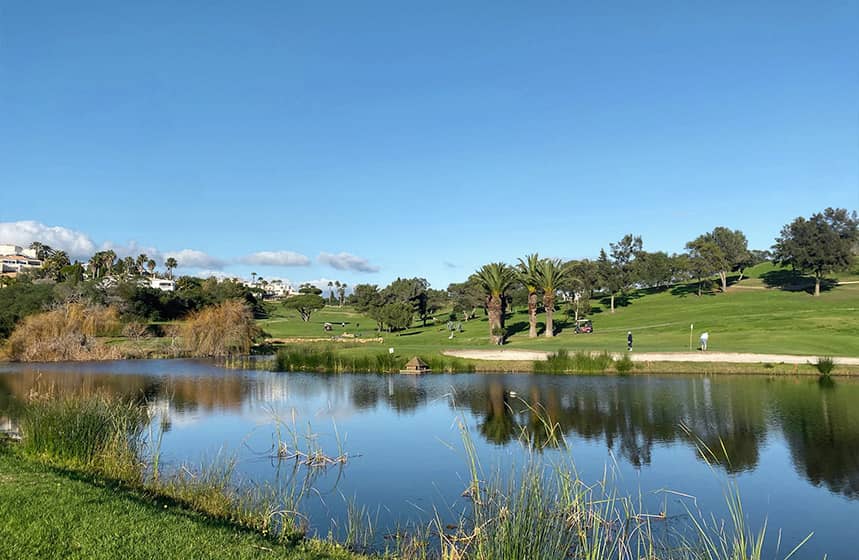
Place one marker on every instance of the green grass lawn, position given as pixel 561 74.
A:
pixel 750 317
pixel 47 513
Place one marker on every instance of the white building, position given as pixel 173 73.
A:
pixel 273 289
pixel 163 284
pixel 15 259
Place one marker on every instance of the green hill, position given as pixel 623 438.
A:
pixel 767 311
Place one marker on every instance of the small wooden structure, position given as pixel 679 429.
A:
pixel 416 366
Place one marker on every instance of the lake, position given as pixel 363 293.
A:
pixel 790 444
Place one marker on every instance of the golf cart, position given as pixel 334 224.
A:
pixel 584 326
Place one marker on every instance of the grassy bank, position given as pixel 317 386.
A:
pixel 59 513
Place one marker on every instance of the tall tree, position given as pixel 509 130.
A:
pixel 550 273
pixel 822 244
pixel 412 291
pixel 305 304
pixel 54 264
pixel 705 258
pixel 724 251
pixel 341 293
pixel 365 297
pixel 495 279
pixel 170 264
pixel 150 264
pixel 42 251
pixel 331 292
pixel 467 297
pixel 528 274
pixel 654 269
pixel 618 272
pixel 141 263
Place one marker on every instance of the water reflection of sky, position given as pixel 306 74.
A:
pixel 793 446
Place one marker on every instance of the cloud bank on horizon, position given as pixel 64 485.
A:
pixel 80 246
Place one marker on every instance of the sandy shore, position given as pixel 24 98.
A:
pixel 720 357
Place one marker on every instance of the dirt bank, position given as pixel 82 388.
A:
pixel 703 357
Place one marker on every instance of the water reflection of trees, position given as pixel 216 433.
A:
pixel 729 417
pixel 631 415
pixel 822 432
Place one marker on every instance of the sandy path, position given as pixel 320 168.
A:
pixel 726 357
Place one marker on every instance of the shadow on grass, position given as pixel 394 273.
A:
pixel 794 281
pixel 708 288
pixel 622 300
pixel 518 327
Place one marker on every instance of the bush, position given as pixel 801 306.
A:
pixel 624 365
pixel 21 299
pixel 65 333
pixel 580 362
pixel 221 330
pixel 825 365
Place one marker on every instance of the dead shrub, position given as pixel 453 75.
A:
pixel 221 330
pixel 68 332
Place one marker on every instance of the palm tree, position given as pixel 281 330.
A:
pixel 170 264
pixel 342 293
pixel 495 279
pixel 42 251
pixel 253 278
pixel 150 264
pixel 331 292
pixel 551 273
pixel 528 274
pixel 141 263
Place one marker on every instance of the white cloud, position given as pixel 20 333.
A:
pixel 346 261
pixel 219 274
pixel 191 258
pixel 73 242
pixel 276 258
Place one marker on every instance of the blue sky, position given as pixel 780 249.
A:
pixel 405 139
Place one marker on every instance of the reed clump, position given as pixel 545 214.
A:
pixel 580 362
pixel 69 332
pixel 226 329
pixel 624 364
pixel 329 359
pixel 97 433
pixel 825 365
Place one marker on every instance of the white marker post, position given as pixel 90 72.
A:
pixel 691 327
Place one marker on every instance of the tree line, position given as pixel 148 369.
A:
pixel 824 243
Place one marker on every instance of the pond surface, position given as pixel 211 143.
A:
pixel 791 444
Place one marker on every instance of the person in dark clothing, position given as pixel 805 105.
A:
pixel 629 341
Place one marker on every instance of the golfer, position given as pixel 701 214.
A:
pixel 629 341
pixel 705 336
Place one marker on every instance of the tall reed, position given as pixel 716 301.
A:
pixel 580 362
pixel 97 432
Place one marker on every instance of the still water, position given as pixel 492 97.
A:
pixel 790 444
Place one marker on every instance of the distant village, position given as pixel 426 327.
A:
pixel 15 260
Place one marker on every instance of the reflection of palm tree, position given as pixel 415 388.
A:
pixel 495 279
pixel 498 425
